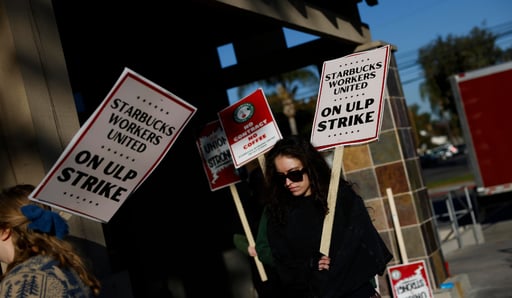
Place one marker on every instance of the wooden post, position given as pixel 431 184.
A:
pixel 396 224
pixel 247 229
pixel 331 200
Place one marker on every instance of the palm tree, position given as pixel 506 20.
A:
pixel 282 90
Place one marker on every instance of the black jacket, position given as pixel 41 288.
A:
pixel 357 251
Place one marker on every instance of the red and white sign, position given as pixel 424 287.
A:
pixel 217 162
pixel 121 143
pixel 250 127
pixel 410 280
pixel 349 106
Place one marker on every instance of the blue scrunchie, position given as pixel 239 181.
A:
pixel 45 221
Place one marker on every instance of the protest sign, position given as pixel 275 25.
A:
pixel 348 112
pixel 116 149
pixel 217 162
pixel 250 127
pixel 349 105
pixel 410 280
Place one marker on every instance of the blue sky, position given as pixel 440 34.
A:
pixel 412 24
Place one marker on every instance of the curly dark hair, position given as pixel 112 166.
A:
pixel 317 169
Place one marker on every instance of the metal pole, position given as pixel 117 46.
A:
pixel 473 219
pixel 453 219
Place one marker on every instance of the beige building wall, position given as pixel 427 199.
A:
pixel 38 116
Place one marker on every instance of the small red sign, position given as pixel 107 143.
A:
pixel 250 127
pixel 410 280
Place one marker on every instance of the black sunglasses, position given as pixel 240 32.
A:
pixel 294 176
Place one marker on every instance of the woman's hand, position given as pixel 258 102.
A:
pixel 323 263
pixel 252 251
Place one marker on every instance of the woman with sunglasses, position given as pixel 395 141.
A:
pixel 297 179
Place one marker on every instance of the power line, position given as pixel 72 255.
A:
pixel 411 71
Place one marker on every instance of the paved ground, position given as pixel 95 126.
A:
pixel 487 265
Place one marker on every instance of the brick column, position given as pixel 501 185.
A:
pixel 392 162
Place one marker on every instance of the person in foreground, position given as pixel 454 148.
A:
pixel 40 263
pixel 297 179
